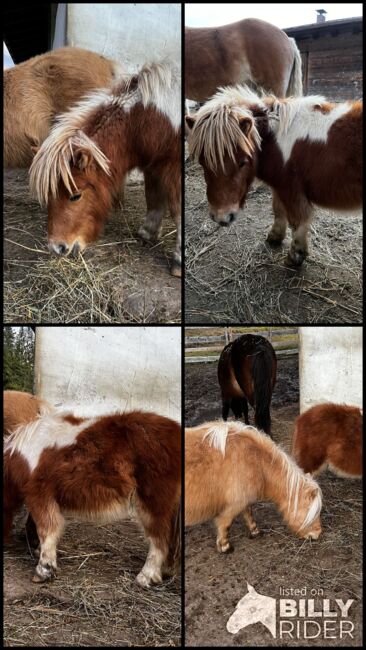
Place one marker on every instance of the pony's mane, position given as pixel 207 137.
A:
pixel 216 129
pixel 218 434
pixel 157 83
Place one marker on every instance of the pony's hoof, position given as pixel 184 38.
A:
pixel 274 240
pixel 254 533
pixel 295 258
pixel 147 236
pixel 44 573
pixel 224 548
pixel 148 580
pixel 176 270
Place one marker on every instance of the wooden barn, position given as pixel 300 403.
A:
pixel 331 53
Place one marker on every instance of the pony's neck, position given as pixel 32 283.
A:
pixel 117 145
pixel 275 475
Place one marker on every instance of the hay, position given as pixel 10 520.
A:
pixel 95 600
pixel 118 279
pixel 232 275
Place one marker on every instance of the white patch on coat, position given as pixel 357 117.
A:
pixel 298 120
pixel 48 431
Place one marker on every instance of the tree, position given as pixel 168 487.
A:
pixel 18 366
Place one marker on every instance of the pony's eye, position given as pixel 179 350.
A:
pixel 75 197
pixel 242 162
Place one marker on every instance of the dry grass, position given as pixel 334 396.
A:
pixel 232 275
pixel 118 279
pixel 95 600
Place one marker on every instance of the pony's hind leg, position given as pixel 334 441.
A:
pixel 254 531
pixel 299 221
pixel 237 407
pixel 278 231
pixel 156 207
pixel 225 409
pixel 157 531
pixel 244 404
pixel 223 523
pixel 50 524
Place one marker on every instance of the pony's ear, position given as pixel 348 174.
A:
pixel 133 82
pixel 190 122
pixel 82 159
pixel 35 149
pixel 246 124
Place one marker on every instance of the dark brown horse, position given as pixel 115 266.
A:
pixel 247 373
pixel 248 51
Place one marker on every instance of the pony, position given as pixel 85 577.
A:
pixel 79 169
pixel 21 408
pixel 249 50
pixel 247 372
pixel 102 470
pixel 229 466
pixel 329 435
pixel 307 150
pixel 42 87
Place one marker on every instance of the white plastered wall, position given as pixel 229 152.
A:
pixel 133 34
pixel 101 369
pixel 330 365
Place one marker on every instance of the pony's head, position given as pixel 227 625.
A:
pixel 72 177
pixel 225 139
pixel 304 505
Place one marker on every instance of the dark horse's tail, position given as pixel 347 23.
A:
pixel 262 379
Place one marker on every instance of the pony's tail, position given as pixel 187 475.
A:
pixel 173 560
pixel 262 373
pixel 295 88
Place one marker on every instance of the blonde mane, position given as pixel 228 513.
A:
pixel 218 434
pixel 158 84
pixel 216 129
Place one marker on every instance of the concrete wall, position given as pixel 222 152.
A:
pixel 330 365
pixel 131 33
pixel 110 368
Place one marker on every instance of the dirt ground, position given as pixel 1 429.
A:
pixel 118 279
pixel 95 600
pixel 232 275
pixel 215 583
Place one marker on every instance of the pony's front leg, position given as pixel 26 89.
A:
pixel 176 268
pixel 254 531
pixel 152 571
pixel 156 204
pixel 278 231
pixel 50 524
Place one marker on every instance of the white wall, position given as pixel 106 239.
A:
pixel 110 368
pixel 330 365
pixel 134 34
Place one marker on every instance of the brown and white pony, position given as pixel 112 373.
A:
pixel 307 150
pixel 229 466
pixel 21 408
pixel 249 50
pixel 82 165
pixel 329 435
pixel 42 87
pixel 247 373
pixel 102 470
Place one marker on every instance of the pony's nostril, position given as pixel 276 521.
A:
pixel 62 249
pixel 232 216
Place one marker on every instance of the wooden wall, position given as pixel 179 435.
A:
pixel 332 64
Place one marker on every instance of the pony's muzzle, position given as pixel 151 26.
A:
pixel 224 218
pixel 62 249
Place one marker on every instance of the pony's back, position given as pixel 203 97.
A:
pixel 22 408
pixel 42 87
pixel 329 434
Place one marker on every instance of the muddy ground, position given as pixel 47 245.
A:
pixel 95 600
pixel 215 583
pixel 232 275
pixel 118 279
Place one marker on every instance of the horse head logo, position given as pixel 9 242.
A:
pixel 253 608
